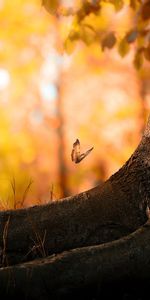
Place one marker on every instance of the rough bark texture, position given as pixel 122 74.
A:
pixel 81 270
pixel 100 216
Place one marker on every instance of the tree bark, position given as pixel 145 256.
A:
pixel 82 270
pixel 98 216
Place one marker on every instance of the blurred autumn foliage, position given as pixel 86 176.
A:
pixel 109 23
pixel 79 69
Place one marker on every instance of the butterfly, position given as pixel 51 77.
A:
pixel 75 153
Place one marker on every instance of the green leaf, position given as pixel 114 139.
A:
pixel 123 48
pixel 108 41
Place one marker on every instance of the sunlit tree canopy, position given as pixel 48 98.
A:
pixel 124 24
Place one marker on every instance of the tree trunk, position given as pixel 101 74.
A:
pixel 83 271
pixel 105 213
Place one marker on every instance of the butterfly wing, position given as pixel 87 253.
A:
pixel 88 151
pixel 83 155
pixel 75 154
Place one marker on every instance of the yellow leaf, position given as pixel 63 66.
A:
pixel 50 5
pixel 145 12
pixel 88 8
pixel 134 4
pixel 118 4
pixel 131 36
pixel 96 22
pixel 108 41
pixel 69 45
pixel 147 53
pixel 87 34
pixel 138 59
pixel 123 48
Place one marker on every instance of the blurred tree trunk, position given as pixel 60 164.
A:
pixel 61 144
pixel 143 91
pixel 107 216
pixel 61 117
